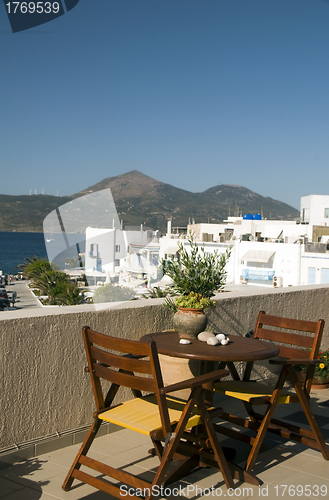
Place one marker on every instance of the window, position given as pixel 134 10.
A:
pixel 326 213
pixel 311 275
pixel 117 248
pixel 324 275
pixel 93 249
pixel 305 214
pixel 154 259
pixel 117 262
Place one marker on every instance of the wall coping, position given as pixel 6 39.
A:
pixel 229 293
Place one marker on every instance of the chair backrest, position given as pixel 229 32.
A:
pixel 126 363
pixel 306 343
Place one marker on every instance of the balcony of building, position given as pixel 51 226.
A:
pixel 47 401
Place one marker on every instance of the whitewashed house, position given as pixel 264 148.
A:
pixel 112 254
pixel 269 252
pixel 314 210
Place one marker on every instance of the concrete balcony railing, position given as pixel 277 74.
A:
pixel 45 391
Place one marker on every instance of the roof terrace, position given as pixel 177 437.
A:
pixel 42 363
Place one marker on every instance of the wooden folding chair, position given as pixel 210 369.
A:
pixel 306 344
pixel 178 429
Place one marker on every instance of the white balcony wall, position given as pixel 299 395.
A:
pixel 271 229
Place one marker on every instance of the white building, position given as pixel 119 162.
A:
pixel 263 252
pixel 250 230
pixel 114 253
pixel 269 252
pixel 314 210
pixel 267 263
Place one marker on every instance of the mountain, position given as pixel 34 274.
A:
pixel 142 200
pixel 26 213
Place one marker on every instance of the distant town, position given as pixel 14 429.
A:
pixel 271 253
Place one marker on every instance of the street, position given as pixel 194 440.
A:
pixel 25 298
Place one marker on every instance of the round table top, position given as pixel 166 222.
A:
pixel 238 349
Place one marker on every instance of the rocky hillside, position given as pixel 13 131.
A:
pixel 142 200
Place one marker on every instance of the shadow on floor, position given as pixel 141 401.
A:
pixel 20 475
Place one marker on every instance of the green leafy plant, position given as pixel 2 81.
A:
pixel 196 271
pixel 29 260
pixel 157 292
pixel 321 371
pixel 170 304
pixel 194 301
pixel 112 293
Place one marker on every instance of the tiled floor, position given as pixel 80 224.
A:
pixel 286 469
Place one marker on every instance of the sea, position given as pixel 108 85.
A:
pixel 15 247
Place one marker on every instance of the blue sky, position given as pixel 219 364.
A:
pixel 194 93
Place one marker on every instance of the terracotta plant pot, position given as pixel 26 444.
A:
pixel 317 384
pixel 189 322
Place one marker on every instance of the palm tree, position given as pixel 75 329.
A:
pixel 71 296
pixel 51 283
pixel 29 260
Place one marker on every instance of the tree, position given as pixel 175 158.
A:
pixel 29 260
pixel 51 283
pixel 71 295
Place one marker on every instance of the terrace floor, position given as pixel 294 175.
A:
pixel 281 465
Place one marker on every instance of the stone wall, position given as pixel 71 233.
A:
pixel 42 360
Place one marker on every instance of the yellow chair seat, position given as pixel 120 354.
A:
pixel 142 414
pixel 246 391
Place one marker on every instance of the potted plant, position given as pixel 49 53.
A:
pixel 196 276
pixel 321 372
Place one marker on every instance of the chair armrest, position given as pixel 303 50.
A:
pixel 294 361
pixel 195 381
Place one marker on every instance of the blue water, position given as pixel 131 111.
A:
pixel 14 247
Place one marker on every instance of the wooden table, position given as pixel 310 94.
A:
pixel 238 349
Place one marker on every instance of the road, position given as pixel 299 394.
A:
pixel 25 298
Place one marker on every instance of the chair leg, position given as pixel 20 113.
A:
pixel 169 452
pixel 195 399
pixel 265 422
pixel 157 447
pixel 83 451
pixel 317 434
pixel 216 447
